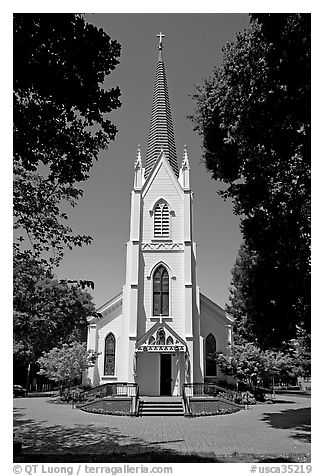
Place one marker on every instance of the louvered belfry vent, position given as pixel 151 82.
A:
pixel 161 220
pixel 161 134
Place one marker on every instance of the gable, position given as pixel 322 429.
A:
pixel 162 177
pixel 110 308
pixel 214 310
pixel 152 332
pixel 162 184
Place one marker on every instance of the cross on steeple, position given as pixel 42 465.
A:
pixel 160 36
pixel 161 134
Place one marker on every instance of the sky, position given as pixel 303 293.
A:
pixel 192 47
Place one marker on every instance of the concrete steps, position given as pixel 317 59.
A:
pixel 160 407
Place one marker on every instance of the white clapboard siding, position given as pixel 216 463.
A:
pixel 163 187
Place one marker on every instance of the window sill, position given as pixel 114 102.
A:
pixel 161 239
pixel 164 318
pixel 107 377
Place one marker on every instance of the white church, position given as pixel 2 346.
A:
pixel 160 331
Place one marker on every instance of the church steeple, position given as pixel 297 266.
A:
pixel 161 134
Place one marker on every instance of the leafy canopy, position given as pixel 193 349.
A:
pixel 66 364
pixel 249 364
pixel 61 122
pixel 47 312
pixel 253 115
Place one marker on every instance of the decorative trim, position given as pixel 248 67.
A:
pixel 145 338
pixel 92 320
pixel 161 348
pixel 162 246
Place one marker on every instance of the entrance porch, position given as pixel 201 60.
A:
pixel 160 373
pixel 161 361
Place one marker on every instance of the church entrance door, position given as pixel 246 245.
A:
pixel 165 374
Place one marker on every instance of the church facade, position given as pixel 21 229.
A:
pixel 160 331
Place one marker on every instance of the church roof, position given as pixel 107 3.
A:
pixel 161 134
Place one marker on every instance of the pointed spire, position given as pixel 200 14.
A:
pixel 160 36
pixel 185 160
pixel 138 161
pixel 184 178
pixel 138 176
pixel 161 134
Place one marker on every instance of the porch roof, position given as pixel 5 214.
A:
pixel 178 346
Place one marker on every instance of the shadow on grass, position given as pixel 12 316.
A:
pixel 298 420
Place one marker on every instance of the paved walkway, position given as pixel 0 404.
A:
pixel 52 429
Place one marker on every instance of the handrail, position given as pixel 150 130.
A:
pixel 186 402
pixel 210 389
pixel 137 401
pixel 114 389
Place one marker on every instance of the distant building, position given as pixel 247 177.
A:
pixel 160 331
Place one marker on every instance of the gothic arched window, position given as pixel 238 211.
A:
pixel 169 341
pixel 110 349
pixel 161 292
pixel 210 355
pixel 160 337
pixel 161 220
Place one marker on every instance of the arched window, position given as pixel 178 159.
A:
pixel 160 337
pixel 161 220
pixel 169 341
pixel 110 348
pixel 151 340
pixel 210 356
pixel 161 292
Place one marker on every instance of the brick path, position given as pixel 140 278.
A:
pixel 279 429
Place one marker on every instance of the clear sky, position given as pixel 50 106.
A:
pixel 192 47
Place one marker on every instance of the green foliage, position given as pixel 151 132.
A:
pixel 47 312
pixel 64 365
pixel 60 123
pixel 254 118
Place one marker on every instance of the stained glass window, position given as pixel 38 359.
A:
pixel 160 337
pixel 110 348
pixel 161 292
pixel 210 355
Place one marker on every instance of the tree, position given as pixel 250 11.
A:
pixel 240 292
pixel 250 365
pixel 60 123
pixel 47 313
pixel 65 365
pixel 254 118
pixel 300 351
